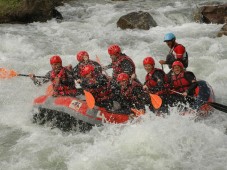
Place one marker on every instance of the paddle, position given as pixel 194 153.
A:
pixel 156 100
pixel 215 105
pixel 89 99
pixel 98 60
pixel 6 74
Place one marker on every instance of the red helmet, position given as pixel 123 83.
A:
pixel 86 70
pixel 81 54
pixel 148 60
pixel 122 77
pixel 114 49
pixel 55 59
pixel 177 63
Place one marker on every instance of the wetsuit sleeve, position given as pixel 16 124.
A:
pixel 98 67
pixel 191 77
pixel 38 82
pixel 76 74
pixel 108 66
pixel 139 100
pixel 159 77
pixel 127 67
pixel 169 60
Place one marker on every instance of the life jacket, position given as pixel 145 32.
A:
pixel 151 82
pixel 100 93
pixel 179 82
pixel 179 54
pixel 62 89
pixel 116 65
pixel 127 92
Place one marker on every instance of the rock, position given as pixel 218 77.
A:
pixel 32 11
pixel 223 31
pixel 214 14
pixel 140 20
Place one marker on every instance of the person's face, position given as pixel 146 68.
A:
pixel 113 57
pixel 177 69
pixel 170 44
pixel 148 67
pixel 123 84
pixel 56 67
pixel 89 75
pixel 85 58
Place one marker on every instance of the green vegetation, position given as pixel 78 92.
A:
pixel 8 5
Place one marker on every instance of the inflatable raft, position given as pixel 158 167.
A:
pixel 69 113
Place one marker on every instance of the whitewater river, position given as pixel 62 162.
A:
pixel 174 142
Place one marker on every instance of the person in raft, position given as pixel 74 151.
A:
pixel 156 83
pixel 83 59
pixel 61 78
pixel 177 52
pixel 98 86
pixel 132 95
pixel 183 84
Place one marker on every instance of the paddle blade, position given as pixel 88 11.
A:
pixel 49 90
pixel 138 112
pixel 98 60
pixel 156 101
pixel 4 73
pixel 89 99
pixel 218 106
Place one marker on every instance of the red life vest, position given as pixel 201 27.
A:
pixel 127 92
pixel 151 82
pixel 116 65
pixel 180 83
pixel 61 89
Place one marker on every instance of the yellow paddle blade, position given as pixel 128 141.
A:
pixel 49 90
pixel 4 73
pixel 89 99
pixel 156 101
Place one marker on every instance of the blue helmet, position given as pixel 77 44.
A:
pixel 169 37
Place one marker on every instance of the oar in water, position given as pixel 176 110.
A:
pixel 7 74
pixel 215 105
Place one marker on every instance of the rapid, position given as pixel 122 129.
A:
pixel 174 142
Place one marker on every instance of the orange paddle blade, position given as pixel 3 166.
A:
pixel 156 101
pixel 4 73
pixel 49 90
pixel 138 112
pixel 89 99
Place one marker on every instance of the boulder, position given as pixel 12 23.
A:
pixel 223 31
pixel 140 20
pixel 214 14
pixel 32 11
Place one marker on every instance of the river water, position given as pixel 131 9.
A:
pixel 174 142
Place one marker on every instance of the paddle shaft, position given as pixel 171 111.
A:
pixel 26 75
pixel 215 105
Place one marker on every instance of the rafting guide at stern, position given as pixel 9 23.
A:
pixel 177 52
pixel 61 78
